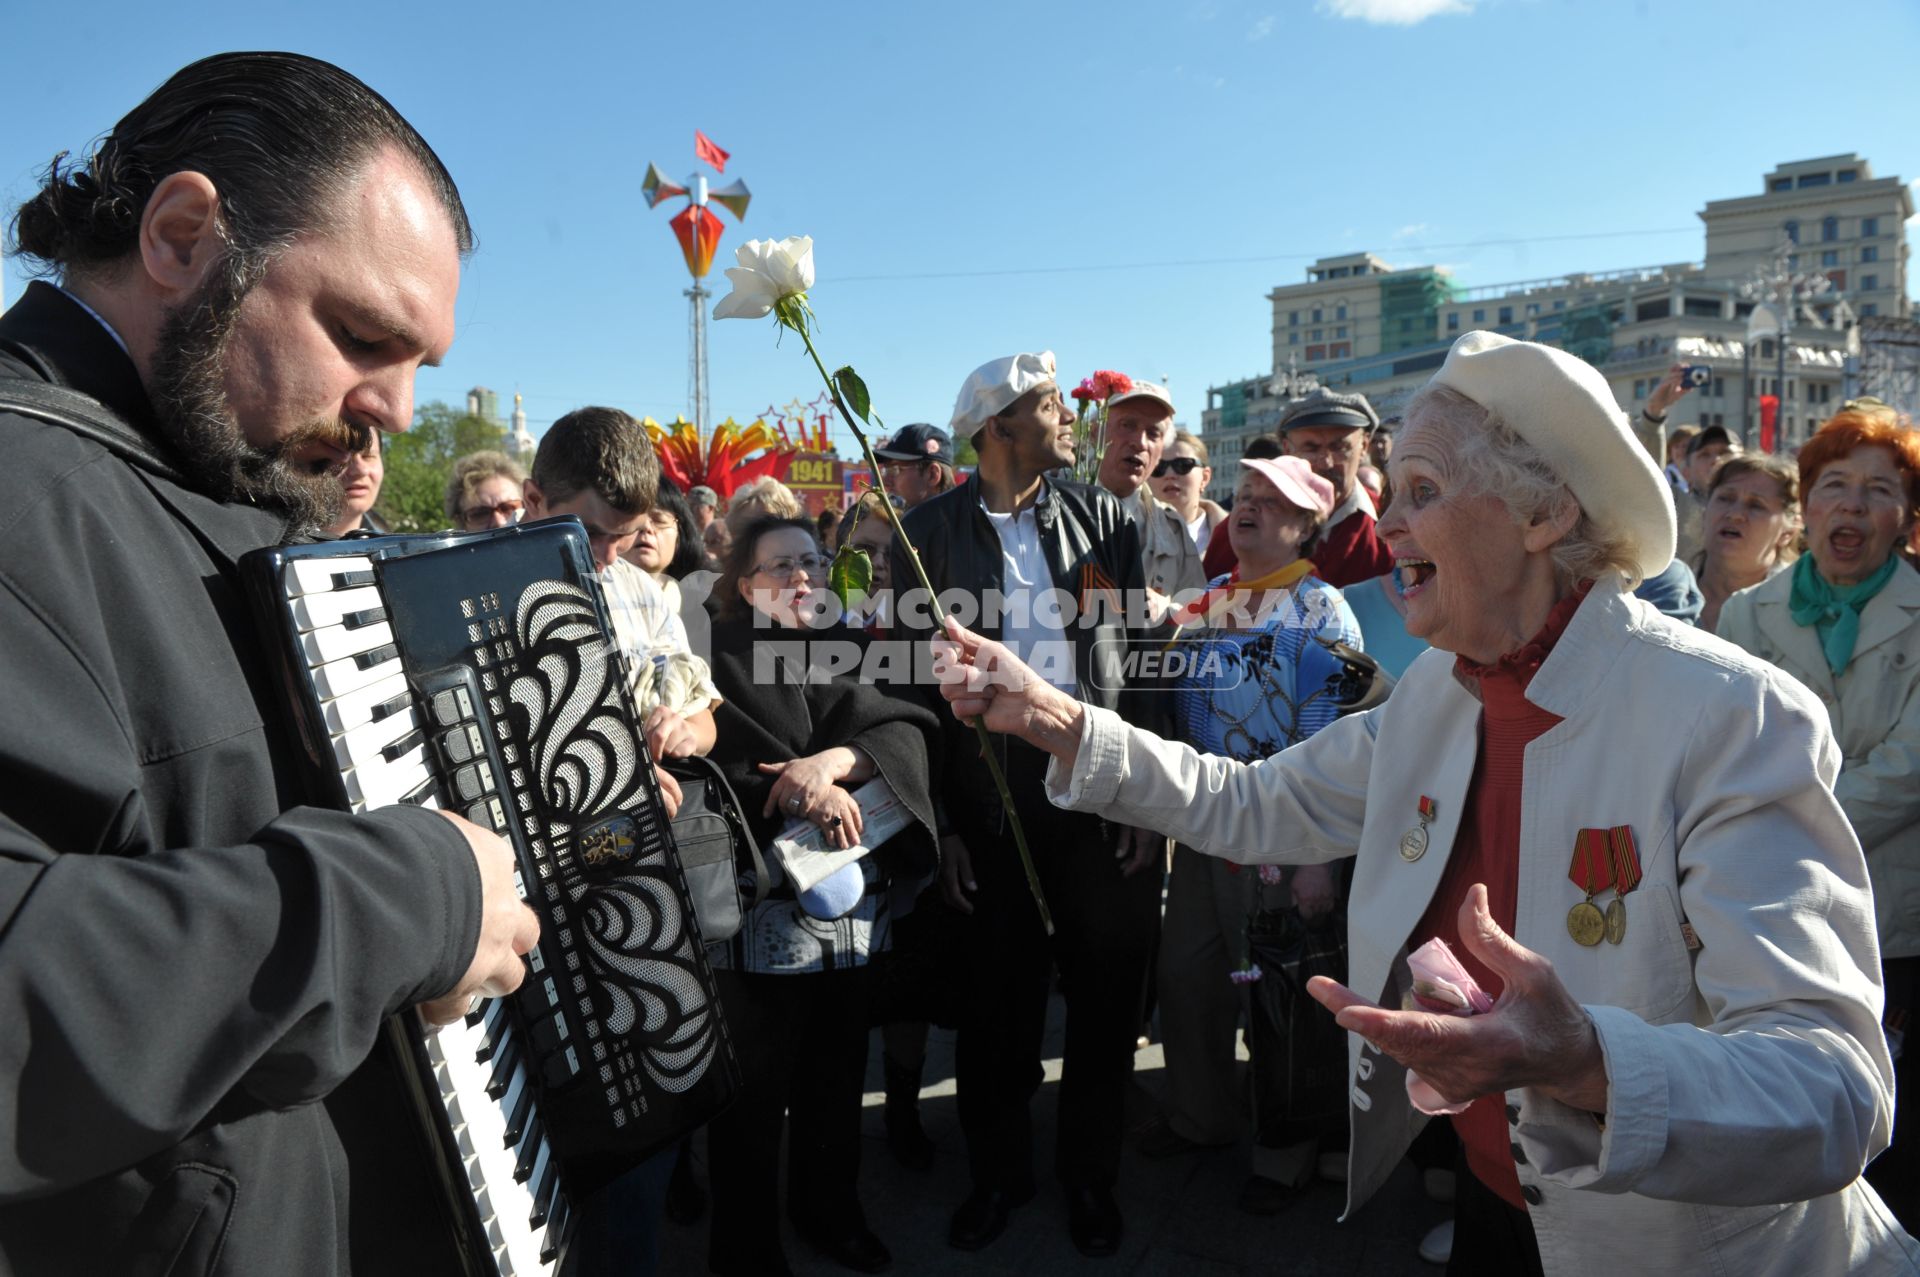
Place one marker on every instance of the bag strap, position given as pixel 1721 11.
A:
pixel 696 767
pixel 87 417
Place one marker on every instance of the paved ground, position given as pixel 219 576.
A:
pixel 1180 1212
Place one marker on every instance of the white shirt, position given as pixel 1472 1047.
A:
pixel 1198 529
pixel 1029 624
pixel 662 664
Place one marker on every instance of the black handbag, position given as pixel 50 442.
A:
pixel 717 849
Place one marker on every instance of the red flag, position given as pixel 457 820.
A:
pixel 1769 414
pixel 704 148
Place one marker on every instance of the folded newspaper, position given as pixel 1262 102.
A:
pixel 805 855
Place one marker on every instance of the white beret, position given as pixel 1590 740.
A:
pixel 992 386
pixel 1561 405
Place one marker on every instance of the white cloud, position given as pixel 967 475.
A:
pixel 1393 13
pixel 1409 231
pixel 1261 29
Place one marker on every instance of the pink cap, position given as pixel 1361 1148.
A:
pixel 1297 482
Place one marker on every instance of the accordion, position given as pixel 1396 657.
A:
pixel 475 673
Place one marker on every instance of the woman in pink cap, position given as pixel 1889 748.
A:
pixel 1250 681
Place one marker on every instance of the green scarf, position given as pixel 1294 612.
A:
pixel 1834 611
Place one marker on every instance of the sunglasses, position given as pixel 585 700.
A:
pixel 508 510
pixel 1182 466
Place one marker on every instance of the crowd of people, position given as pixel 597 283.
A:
pixel 1182 817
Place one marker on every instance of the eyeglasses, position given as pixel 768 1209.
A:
pixel 508 510
pixel 786 566
pixel 1182 466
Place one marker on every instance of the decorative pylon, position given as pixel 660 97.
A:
pixel 698 231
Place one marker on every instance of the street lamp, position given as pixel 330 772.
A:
pixel 1777 290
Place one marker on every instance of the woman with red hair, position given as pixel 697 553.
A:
pixel 1845 620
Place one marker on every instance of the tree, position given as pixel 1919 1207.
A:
pixel 419 462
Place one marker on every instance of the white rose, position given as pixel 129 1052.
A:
pixel 769 270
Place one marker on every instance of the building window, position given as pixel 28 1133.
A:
pixel 1830 258
pixel 1560 303
pixel 1869 227
pixel 1869 283
pixel 1701 307
pixel 1639 390
pixel 1453 321
pixel 1316 314
pixel 1829 229
pixel 1849 175
pixel 1340 350
pixel 1815 179
pixel 1340 311
pixel 1293 339
pixel 1340 331
pixel 1871 253
pixel 1793 232
pixel 1506 314
pixel 1780 184
pixel 1793 261
pixel 1293 319
pixel 1533 308
pixel 1658 308
pixel 1315 334
pixel 1406 325
pixel 1479 316
pixel 1316 352
pixel 1839 278
pixel 1869 310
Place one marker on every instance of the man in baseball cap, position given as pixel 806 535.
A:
pixel 917 462
pixel 1139 424
pixel 1329 432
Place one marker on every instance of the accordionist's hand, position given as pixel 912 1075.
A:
pixel 508 929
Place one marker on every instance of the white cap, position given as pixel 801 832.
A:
pixel 1561 405
pixel 992 386
pixel 1144 390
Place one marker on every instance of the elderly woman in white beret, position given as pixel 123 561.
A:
pixel 1625 829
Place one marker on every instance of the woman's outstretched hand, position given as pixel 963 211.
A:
pixel 983 679
pixel 1536 1035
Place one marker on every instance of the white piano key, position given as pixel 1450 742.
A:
pixel 312 611
pixel 319 576
pixel 364 743
pixel 337 678
pixel 344 713
pixel 382 784
pixel 336 641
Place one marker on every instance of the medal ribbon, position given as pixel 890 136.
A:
pixel 1426 809
pixel 1624 859
pixel 1592 868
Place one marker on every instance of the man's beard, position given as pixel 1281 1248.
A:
pixel 190 400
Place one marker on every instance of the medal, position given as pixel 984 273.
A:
pixel 1413 843
pixel 1625 858
pixel 1585 923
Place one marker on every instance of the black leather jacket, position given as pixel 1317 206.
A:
pixel 1092 549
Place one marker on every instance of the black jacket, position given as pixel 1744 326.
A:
pixel 1093 553
pixel 192 968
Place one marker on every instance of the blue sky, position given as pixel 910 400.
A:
pixel 1121 182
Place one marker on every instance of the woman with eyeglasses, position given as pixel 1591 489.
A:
pixel 484 491
pixel 1181 481
pixel 798 733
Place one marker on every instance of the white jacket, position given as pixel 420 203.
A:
pixel 1875 711
pixel 1748 1080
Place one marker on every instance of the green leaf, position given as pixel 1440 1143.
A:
pixel 851 577
pixel 853 391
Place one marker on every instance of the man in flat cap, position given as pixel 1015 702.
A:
pixel 1064 560
pixel 1139 425
pixel 1329 432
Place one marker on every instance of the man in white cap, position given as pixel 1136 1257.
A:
pixel 1139 424
pixel 1051 566
pixel 1623 830
pixel 1329 432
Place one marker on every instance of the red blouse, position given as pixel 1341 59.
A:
pixel 1487 849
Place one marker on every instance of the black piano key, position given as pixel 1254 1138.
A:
pixel 518 1116
pixel 419 795
pixel 505 1060
pixel 404 746
pixel 529 1150
pixel 543 1192
pixel 377 656
pixel 353 580
pixel 481 1012
pixel 387 709
pixel 555 1239
pixel 363 618
pixel 493 1028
